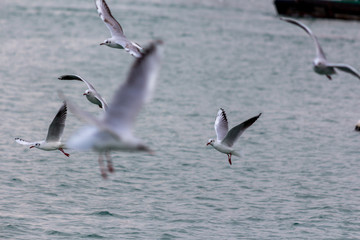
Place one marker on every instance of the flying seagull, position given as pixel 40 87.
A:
pixel 320 64
pixel 226 139
pixel 91 94
pixel 53 139
pixel 118 38
pixel 114 130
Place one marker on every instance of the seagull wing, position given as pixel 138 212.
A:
pixel 23 142
pixel 136 90
pixel 236 131
pixel 56 127
pixel 110 22
pixel 103 102
pixel 221 125
pixel 319 51
pixel 78 78
pixel 86 117
pixel 345 68
pixel 89 85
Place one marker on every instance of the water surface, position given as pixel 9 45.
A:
pixel 298 179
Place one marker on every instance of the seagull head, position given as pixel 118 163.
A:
pixel 87 92
pixel 106 42
pixel 210 142
pixel 36 145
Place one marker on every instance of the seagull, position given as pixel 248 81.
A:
pixel 118 38
pixel 226 139
pixel 53 139
pixel 320 64
pixel 114 130
pixel 91 94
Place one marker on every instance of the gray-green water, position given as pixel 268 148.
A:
pixel 299 177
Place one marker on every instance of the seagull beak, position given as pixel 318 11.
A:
pixel 102 43
pixel 84 94
pixel 32 146
pixel 208 144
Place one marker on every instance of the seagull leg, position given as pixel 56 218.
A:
pixel 66 154
pixel 109 162
pixel 101 165
pixel 229 158
pixel 329 77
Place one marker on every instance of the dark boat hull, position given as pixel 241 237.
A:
pixel 319 9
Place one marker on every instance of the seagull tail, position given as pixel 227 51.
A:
pixel 238 154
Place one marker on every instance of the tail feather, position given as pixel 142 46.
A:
pixel 238 154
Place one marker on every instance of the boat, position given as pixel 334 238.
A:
pixel 339 9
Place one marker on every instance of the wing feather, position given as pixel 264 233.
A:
pixel 221 124
pixel 236 131
pixel 319 51
pixel 78 78
pixel 136 90
pixel 57 126
pixel 110 22
pixel 345 68
pixel 24 142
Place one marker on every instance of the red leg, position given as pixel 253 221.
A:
pixel 101 165
pixel 109 163
pixel 329 77
pixel 229 158
pixel 66 154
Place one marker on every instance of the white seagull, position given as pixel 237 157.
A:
pixel 118 38
pixel 226 139
pixel 53 139
pixel 91 94
pixel 320 64
pixel 114 130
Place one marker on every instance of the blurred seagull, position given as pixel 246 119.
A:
pixel 118 38
pixel 114 130
pixel 320 64
pixel 53 139
pixel 226 139
pixel 91 94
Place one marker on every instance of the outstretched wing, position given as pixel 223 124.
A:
pixel 319 51
pixel 137 89
pixel 236 131
pixel 110 22
pixel 345 68
pixel 86 117
pixel 77 78
pixel 23 142
pixel 221 125
pixel 56 127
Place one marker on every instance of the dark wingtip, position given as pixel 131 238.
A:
pixel 224 114
pixel 70 77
